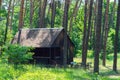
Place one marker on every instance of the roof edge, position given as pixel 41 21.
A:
pixel 39 28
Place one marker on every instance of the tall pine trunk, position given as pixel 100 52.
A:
pixel 20 25
pixel 0 4
pixel 88 30
pixel 42 14
pixel 95 20
pixel 74 13
pixel 84 35
pixel 12 15
pixel 53 12
pixel 31 12
pixel 65 25
pixel 8 21
pixel 98 37
pixel 113 15
pixel 106 29
pixel 116 38
pixel 39 13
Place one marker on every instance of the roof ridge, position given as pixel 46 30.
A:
pixel 41 28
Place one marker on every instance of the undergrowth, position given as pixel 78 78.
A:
pixel 37 72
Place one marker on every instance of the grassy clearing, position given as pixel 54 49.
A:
pixel 107 70
pixel 37 72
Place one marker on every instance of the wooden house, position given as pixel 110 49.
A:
pixel 47 43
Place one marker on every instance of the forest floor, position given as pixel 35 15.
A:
pixel 105 71
pixel 39 72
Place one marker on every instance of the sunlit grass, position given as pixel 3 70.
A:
pixel 38 72
pixel 105 71
pixel 31 72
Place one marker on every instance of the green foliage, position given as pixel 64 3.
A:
pixel 1 36
pixel 110 40
pixel 16 54
pixel 3 12
pixel 110 56
pixel 78 53
pixel 90 54
pixel 58 17
pixel 77 31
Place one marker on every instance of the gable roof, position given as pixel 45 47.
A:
pixel 37 37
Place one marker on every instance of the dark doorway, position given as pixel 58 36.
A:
pixel 50 55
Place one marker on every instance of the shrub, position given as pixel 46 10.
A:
pixel 90 53
pixel 14 53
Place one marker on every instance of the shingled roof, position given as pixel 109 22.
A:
pixel 38 37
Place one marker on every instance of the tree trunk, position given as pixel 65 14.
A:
pixel 95 20
pixel 76 8
pixel 25 10
pixel 103 31
pixel 106 33
pixel 20 25
pixel 42 16
pixel 13 5
pixel 84 35
pixel 113 15
pixel 39 13
pixel 31 12
pixel 0 4
pixel 98 37
pixel 53 11
pixel 116 38
pixel 65 24
pixel 88 31
pixel 8 21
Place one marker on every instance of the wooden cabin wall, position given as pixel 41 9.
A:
pixel 71 48
pixel 70 51
pixel 60 42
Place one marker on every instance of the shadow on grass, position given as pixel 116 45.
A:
pixel 110 73
pixel 73 74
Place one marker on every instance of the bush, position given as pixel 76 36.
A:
pixel 79 53
pixel 16 54
pixel 90 54
pixel 110 56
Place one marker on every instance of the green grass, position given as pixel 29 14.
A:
pixel 106 71
pixel 37 72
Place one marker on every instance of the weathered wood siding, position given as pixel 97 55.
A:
pixel 60 42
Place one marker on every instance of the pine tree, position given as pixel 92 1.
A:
pixel 98 37
pixel 116 38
